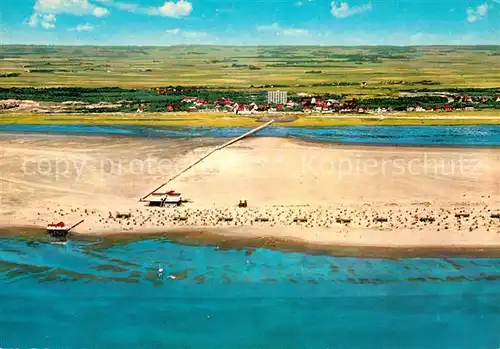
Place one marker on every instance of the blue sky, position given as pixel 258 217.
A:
pixel 250 22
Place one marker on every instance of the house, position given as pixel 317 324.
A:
pixel 169 108
pixel 498 99
pixel 484 99
pixel 437 108
pixel 466 99
pixel 141 108
pixel 410 109
pixel 318 101
pixel 253 107
pixel 200 101
pixel 469 108
pixel 448 107
pixel 348 110
pixel 242 109
pixel 419 108
pixel 187 100
pixel 381 110
pixel 192 110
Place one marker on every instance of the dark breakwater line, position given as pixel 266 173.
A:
pixel 463 136
pixel 196 238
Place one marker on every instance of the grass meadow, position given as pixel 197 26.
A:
pixel 336 70
pixel 211 119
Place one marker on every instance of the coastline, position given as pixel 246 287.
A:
pixel 226 239
pixel 283 179
pixel 216 120
pixel 299 134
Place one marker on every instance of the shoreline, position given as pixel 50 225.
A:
pixel 212 237
pixel 302 195
pixel 296 138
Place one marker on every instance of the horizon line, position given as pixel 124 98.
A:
pixel 254 45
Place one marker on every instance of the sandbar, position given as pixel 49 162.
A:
pixel 298 192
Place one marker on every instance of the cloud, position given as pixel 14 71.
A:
pixel 270 27
pixel 49 21
pixel 475 14
pixel 45 11
pixel 295 32
pixel 124 6
pixel 46 21
pixel 85 27
pixel 178 9
pixel 416 37
pixel 299 4
pixel 51 8
pixel 186 34
pixel 343 10
pixel 74 7
pixel 174 31
pixel 100 12
pixel 181 8
pixel 275 27
pixel 33 21
pixel 194 35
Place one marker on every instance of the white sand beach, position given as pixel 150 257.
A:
pixel 295 190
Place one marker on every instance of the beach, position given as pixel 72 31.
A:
pixel 304 192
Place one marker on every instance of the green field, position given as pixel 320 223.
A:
pixel 231 120
pixel 387 70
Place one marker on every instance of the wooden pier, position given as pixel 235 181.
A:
pixel 60 230
pixel 154 201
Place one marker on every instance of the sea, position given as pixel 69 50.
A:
pixel 474 135
pixel 156 293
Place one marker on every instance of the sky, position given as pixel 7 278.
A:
pixel 250 22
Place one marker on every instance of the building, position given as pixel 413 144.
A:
pixel 277 97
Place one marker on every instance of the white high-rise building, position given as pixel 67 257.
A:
pixel 277 97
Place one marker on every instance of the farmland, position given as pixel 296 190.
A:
pixel 182 119
pixel 387 71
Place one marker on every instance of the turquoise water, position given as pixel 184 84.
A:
pixel 483 135
pixel 85 294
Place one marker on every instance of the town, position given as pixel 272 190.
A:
pixel 281 102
